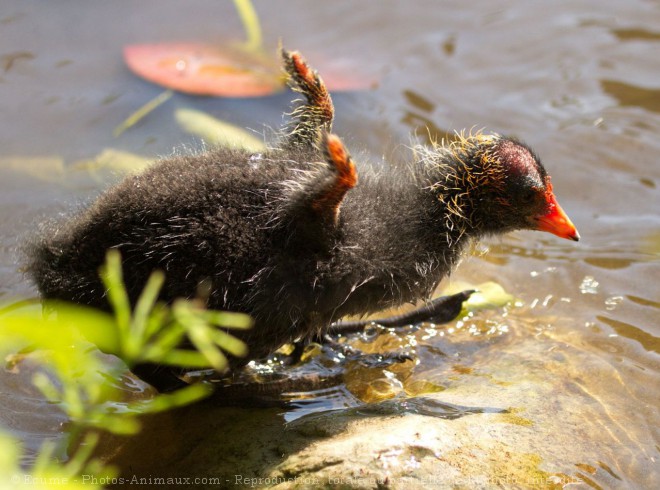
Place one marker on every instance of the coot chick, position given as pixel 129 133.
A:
pixel 288 236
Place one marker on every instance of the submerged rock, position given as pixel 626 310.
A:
pixel 531 412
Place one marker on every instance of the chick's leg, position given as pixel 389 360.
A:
pixel 441 310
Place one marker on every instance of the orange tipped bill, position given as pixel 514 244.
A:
pixel 556 221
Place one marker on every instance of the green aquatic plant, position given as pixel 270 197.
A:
pixel 251 25
pixel 65 343
pixel 46 472
pixel 216 132
pixel 152 331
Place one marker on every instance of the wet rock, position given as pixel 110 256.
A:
pixel 518 419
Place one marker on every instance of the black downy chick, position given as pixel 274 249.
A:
pixel 288 236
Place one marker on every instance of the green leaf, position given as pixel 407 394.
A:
pixel 115 161
pixel 76 465
pixel 143 308
pixel 217 132
pixel 185 358
pixel 47 387
pixel 97 327
pixel 163 342
pixel 489 295
pixel 227 319
pixel 9 455
pixel 122 424
pixel 157 318
pixel 229 343
pixel 200 335
pixel 44 459
pixel 112 276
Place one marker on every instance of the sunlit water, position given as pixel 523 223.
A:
pixel 577 81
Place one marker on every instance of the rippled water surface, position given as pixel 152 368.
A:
pixel 578 81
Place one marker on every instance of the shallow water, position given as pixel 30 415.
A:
pixel 578 81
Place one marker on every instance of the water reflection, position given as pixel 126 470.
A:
pixel 420 406
pixel 650 342
pixel 419 118
pixel 636 34
pixel 9 60
pixel 633 96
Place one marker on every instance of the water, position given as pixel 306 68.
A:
pixel 578 81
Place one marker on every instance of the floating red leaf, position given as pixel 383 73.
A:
pixel 203 69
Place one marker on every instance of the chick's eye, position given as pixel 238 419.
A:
pixel 528 196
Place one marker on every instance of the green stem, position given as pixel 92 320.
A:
pixel 138 115
pixel 251 25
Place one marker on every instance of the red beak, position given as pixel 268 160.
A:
pixel 555 220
